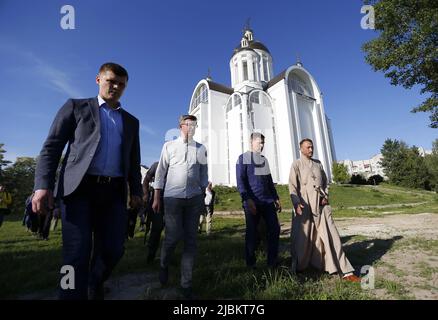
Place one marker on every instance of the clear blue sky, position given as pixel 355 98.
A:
pixel 168 46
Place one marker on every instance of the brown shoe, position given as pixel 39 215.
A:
pixel 352 278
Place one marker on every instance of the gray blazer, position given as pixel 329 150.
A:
pixel 78 124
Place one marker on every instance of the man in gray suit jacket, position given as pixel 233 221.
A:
pixel 102 159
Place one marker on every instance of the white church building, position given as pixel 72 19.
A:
pixel 286 108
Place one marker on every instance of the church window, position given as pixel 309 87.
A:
pixel 236 73
pixel 237 100
pixel 301 87
pixel 265 69
pixel 245 70
pixel 255 98
pixel 201 96
pixel 229 104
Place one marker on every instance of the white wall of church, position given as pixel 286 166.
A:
pixel 306 102
pixel 217 154
pixel 286 153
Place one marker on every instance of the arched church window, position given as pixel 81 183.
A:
pixel 201 96
pixel 237 100
pixel 229 104
pixel 255 97
pixel 301 86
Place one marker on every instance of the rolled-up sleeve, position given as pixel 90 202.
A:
pixel 163 166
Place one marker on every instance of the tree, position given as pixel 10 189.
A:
pixel 406 48
pixel 340 173
pixel 431 161
pixel 19 179
pixel 417 175
pixel 394 152
pixel 375 180
pixel 405 166
pixel 358 179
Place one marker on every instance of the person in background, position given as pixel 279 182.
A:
pixel 155 220
pixel 315 239
pixel 182 173
pixel 259 200
pixel 5 202
pixel 207 215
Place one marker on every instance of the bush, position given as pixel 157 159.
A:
pixel 358 179
pixel 375 180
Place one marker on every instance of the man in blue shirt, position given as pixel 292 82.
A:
pixel 102 159
pixel 259 198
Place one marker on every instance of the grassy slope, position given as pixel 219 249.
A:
pixel 341 196
pixel 28 264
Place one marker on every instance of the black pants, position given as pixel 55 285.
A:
pixel 93 233
pixel 157 226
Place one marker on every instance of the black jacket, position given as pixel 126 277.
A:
pixel 78 124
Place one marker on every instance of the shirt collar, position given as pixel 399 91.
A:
pixel 182 140
pixel 101 102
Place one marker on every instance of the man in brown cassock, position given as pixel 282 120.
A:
pixel 315 239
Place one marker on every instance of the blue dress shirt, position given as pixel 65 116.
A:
pixel 107 160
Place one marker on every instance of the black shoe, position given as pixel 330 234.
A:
pixel 96 292
pixel 187 293
pixel 164 275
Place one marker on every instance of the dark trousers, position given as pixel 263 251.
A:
pixel 93 233
pixel 157 222
pixel 269 214
pixel 181 217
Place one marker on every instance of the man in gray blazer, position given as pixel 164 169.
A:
pixel 102 159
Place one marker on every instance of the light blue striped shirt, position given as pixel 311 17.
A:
pixel 107 160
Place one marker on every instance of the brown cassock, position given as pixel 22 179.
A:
pixel 315 239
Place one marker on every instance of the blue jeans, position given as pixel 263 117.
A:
pixel 181 221
pixel 269 214
pixel 93 234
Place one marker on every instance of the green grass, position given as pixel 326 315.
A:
pixel 26 264
pixel 230 279
pixel 394 288
pixel 29 265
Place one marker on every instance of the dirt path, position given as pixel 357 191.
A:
pixel 424 225
pixel 405 250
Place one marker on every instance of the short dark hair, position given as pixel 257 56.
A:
pixel 306 140
pixel 185 117
pixel 256 135
pixel 114 67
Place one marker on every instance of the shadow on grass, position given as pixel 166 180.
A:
pixel 29 265
pixel 13 218
pixel 24 271
pixel 369 251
